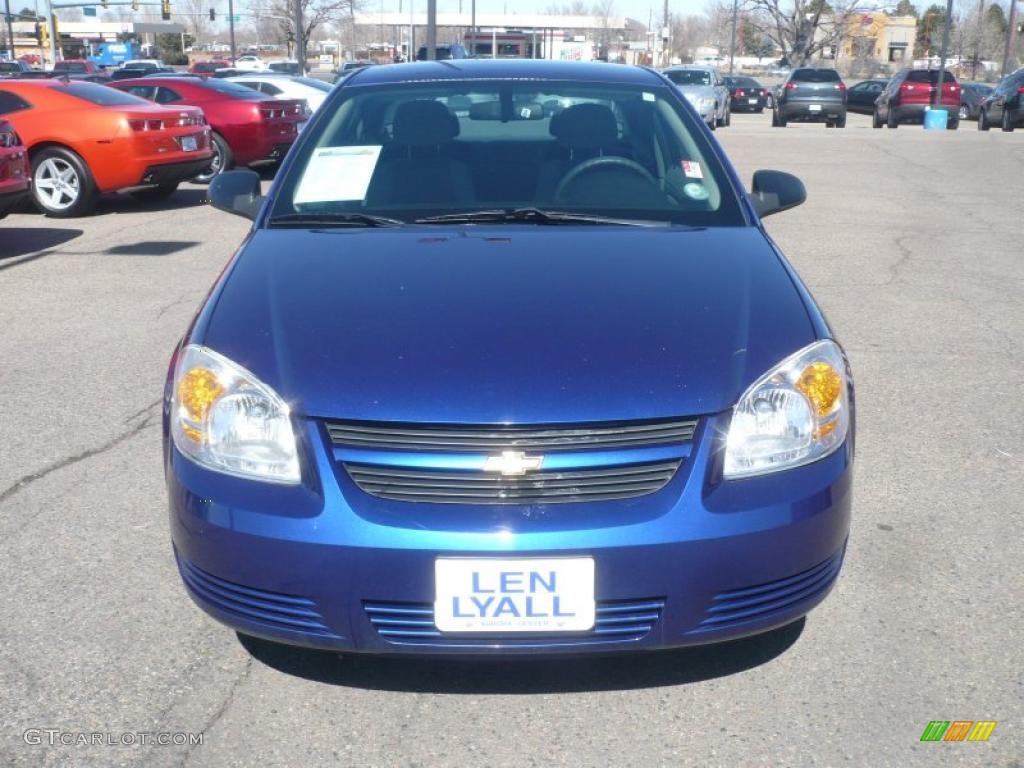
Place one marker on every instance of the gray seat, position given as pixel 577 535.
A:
pixel 582 131
pixel 416 167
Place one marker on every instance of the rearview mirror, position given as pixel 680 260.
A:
pixel 237 192
pixel 775 191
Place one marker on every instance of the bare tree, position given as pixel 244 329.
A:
pixel 688 34
pixel 315 13
pixel 803 28
pixel 197 18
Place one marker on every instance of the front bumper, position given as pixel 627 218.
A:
pixel 324 565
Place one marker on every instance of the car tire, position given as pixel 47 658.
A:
pixel 841 122
pixel 62 184
pixel 778 120
pixel 713 122
pixel 983 124
pixel 1007 124
pixel 891 121
pixel 952 124
pixel 222 160
pixel 876 119
pixel 152 194
pixel 728 116
pixel 964 113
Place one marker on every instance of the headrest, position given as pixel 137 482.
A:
pixel 585 126
pixel 424 122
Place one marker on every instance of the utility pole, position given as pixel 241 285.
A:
pixel 1010 33
pixel 732 47
pixel 300 38
pixel 431 30
pixel 945 49
pixel 472 24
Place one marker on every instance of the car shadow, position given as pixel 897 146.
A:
pixel 151 248
pixel 522 675
pixel 21 244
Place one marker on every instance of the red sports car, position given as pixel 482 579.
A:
pixel 14 174
pixel 84 139
pixel 249 127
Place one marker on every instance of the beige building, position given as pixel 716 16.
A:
pixel 889 40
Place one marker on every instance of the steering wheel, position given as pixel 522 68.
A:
pixel 608 161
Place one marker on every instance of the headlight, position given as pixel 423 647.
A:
pixel 226 419
pixel 796 413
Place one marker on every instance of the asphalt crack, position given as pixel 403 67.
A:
pixel 26 480
pixel 222 709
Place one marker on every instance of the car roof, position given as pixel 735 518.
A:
pixel 488 69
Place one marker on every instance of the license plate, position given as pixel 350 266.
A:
pixel 514 595
pixel 189 143
pixel 751 101
pixel 814 107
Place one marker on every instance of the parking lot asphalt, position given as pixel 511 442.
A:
pixel 912 243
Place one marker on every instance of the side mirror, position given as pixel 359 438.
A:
pixel 237 192
pixel 775 191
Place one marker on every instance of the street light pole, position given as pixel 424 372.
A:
pixel 1010 31
pixel 10 26
pixel 431 30
pixel 300 38
pixel 942 55
pixel 732 47
pixel 231 30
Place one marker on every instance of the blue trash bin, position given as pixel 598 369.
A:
pixel 935 119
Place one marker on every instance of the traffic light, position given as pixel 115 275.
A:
pixel 135 5
pixel 165 10
pixel 56 31
pixel 213 15
pixel 43 34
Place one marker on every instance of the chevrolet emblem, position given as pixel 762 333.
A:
pixel 512 463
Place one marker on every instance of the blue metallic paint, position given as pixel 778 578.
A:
pixel 508 324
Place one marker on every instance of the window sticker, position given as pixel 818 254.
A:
pixel 696 191
pixel 692 170
pixel 649 96
pixel 338 174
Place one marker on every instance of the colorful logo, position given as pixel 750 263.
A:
pixel 958 730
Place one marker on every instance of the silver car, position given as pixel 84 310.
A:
pixel 704 88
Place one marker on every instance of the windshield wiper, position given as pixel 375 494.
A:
pixel 535 216
pixel 333 220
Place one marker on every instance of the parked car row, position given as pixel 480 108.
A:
pixel 143 135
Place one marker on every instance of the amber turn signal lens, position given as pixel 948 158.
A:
pixel 197 392
pixel 822 385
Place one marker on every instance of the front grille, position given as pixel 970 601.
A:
pixel 488 439
pixel 739 606
pixel 545 487
pixel 616 620
pixel 289 612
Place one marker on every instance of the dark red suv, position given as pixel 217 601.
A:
pixel 911 93
pixel 249 127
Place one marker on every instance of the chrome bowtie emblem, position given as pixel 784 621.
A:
pixel 512 463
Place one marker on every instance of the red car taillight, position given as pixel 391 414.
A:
pixel 764 92
pixel 739 92
pixel 840 86
pixel 906 87
pixel 791 86
pixel 146 125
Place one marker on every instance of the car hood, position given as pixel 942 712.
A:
pixel 511 324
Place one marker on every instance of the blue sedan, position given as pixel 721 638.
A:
pixel 507 364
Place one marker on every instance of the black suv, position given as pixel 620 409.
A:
pixel 1005 105
pixel 812 95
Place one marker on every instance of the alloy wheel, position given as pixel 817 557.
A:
pixel 57 183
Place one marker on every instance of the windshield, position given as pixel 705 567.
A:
pixel 816 76
pixel 689 76
pixel 929 76
pixel 426 149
